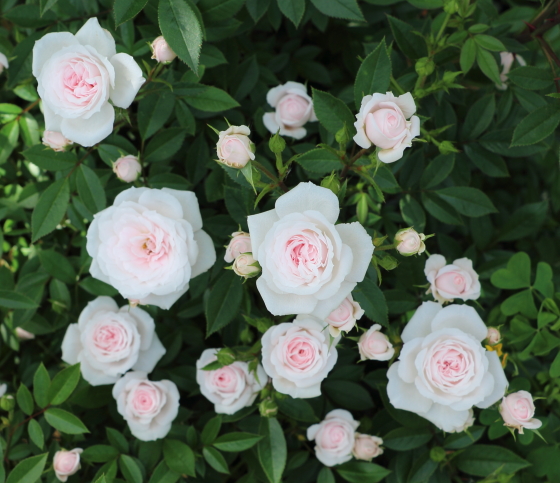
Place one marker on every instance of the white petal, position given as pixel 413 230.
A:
pixel 325 307
pixel 434 263
pixel 164 301
pixel 356 237
pixel 308 196
pixel 259 226
pixel 500 381
pixel 420 323
pixel 286 387
pixel 477 395
pixel 414 126
pixel 144 324
pixel 391 155
pixel 128 80
pixel 163 202
pixel 147 359
pixel 312 431
pixel 99 38
pixel 276 93
pixel 296 133
pixel 71 345
pixel 88 132
pixel 407 360
pixel 269 121
pixel 191 208
pixel 94 376
pixel 102 303
pixel 403 395
pixel 130 194
pixel 446 418
pixel 47 45
pixel 406 103
pixel 206 253
pixel 52 121
pixel 460 317
pixel 285 304
pixel 360 138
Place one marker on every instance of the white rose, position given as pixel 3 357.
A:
pixel 4 64
pixel 305 258
pixel 246 266
pixel 344 317
pixel 77 76
pixel 455 281
pixel 108 341
pixel 410 242
pixel 366 447
pixel 127 168
pixel 493 336
pixel 374 345
pixel 240 243
pixel 149 244
pixel 234 148
pixel 231 387
pixel 66 463
pixel 382 121
pixel 443 370
pixel 506 60
pixel 294 108
pixel 334 437
pixel 298 355
pixel 55 140
pixel 148 407
pixel 161 51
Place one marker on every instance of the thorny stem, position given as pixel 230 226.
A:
pixel 11 433
pixel 28 108
pixel 354 158
pixel 265 171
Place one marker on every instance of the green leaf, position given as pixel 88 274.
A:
pixel 535 127
pixel 9 135
pixel 25 399
pixel 164 145
pixel 223 302
pixel 467 201
pixel 97 287
pixel 15 300
pixel 555 366
pixel 516 275
pixel 468 55
pixel 130 470
pixel 36 433
pixel 488 65
pixel 64 421
pixel 332 112
pixel 412 213
pixel 292 9
pixel 479 117
pixel 272 450
pixel 483 459
pixel 208 98
pixel 411 45
pixel 521 302
pixel 117 440
pixel 215 459
pixel 234 442
pixel 524 222
pixel 211 430
pixel 29 129
pixel 162 474
pixel 489 163
pixel 543 280
pixel 90 189
pixel 490 43
pixel 360 472
pixel 531 78
pixel 100 453
pixel 63 384
pixel 46 5
pixel 124 10
pixel 404 439
pixel 154 111
pixel 320 161
pixel 50 160
pixel 465 438
pixel 371 298
pixel 298 409
pixel 347 9
pixel 41 383
pixel 50 209
pixel 58 266
pixel 422 469
pixel 374 74
pixel 179 457
pixel 29 470
pixel 219 10
pixel 440 209
pixel 326 476
pixel 348 394
pixel 180 26
pixel 437 171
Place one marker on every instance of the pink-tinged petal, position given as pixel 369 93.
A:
pixel 403 395
pixel 406 103
pixel 147 359
pixel 206 253
pixel 500 381
pixel 420 325
pixel 446 418
pixel 434 263
pixel 269 121
pixel 100 39
pixel 128 80
pixel 357 238
pixel 189 203
pixel 285 304
pixel 88 132
pixel 307 197
pixel 325 307
pixel 49 44
pixel 460 317
pixel 276 93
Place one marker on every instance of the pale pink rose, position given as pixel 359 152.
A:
pixel 309 264
pixel 234 147
pixel 443 369
pixel 382 121
pixel 148 407
pixel 518 410
pixel 77 76
pixel 410 242
pixel 334 437
pixel 127 168
pixel 344 317
pixel 246 266
pixel 108 341
pixel 507 59
pixel 23 334
pixel 4 64
pixel 231 387
pixel 149 244
pixel 66 463
pixel 468 423
pixel 55 140
pixel 240 243
pixel 294 109
pixel 455 281
pixel 366 447
pixel 375 346
pixel 493 336
pixel 161 51
pixel 298 355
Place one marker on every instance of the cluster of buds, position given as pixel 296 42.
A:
pixel 239 252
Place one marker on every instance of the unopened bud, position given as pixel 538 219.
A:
pixel 424 66
pixel 410 242
pixel 446 147
pixel 332 183
pixel 7 403
pixel 246 266
pixel 268 408
pixel 437 454
pixel 226 356
pixel 342 136
pixel 277 144
pixel 493 336
pixel 450 6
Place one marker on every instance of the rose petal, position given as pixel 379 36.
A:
pixel 100 39
pixel 500 380
pixel 259 226
pixel 71 345
pixel 420 323
pixel 285 304
pixel 404 395
pixel 357 238
pixel 88 132
pixel 206 253
pixel 306 197
pixel 128 80
pixel 46 45
pixel 460 317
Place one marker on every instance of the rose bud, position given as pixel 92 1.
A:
pixel 410 242
pixel 518 410
pixel 240 243
pixel 7 402
pixel 454 281
pixel 66 463
pixel 55 140
pixel 246 266
pixel 127 168
pixel 161 51
pixel 375 346
pixel 268 408
pixel 344 316
pixel 4 64
pixel 23 334
pixel 366 447
pixel 493 336
pixel 234 147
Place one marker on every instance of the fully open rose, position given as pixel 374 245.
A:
pixel 77 76
pixel 518 410
pixel 108 341
pixel 298 355
pixel 454 281
pixel 443 370
pixel 231 387
pixel 240 243
pixel 305 258
pixel 149 244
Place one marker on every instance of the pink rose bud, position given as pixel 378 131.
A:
pixel 517 410
pixel 344 316
pixel 240 243
pixel 23 334
pixel 374 345
pixel 55 140
pixel 161 51
pixel 455 281
pixel 410 242
pixel 234 147
pixel 493 336
pixel 66 463
pixel 3 62
pixel 366 447
pixel 246 266
pixel 127 168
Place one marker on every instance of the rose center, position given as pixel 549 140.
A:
pixel 80 81
pixel 293 108
pixel 308 254
pixel 110 338
pixel 301 353
pixel 145 399
pixel 451 282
